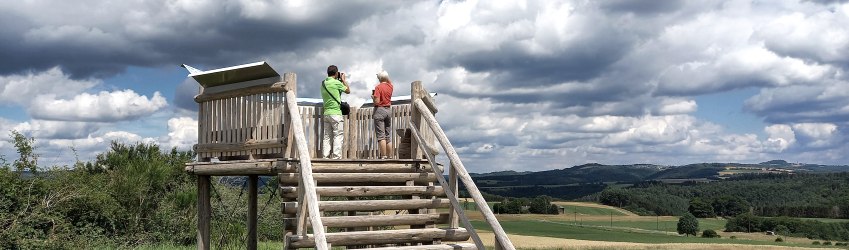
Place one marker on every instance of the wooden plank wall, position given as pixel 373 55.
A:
pixel 241 119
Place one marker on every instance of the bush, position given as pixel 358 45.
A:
pixel 815 243
pixel 841 244
pixel 688 225
pixel 827 243
pixel 779 239
pixel 733 237
pixel 708 233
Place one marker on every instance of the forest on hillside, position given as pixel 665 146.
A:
pixel 795 195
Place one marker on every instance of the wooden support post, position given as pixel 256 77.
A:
pixel 252 193
pixel 204 212
pixel 416 119
pixel 291 86
pixel 452 184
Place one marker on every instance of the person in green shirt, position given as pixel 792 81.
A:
pixel 331 93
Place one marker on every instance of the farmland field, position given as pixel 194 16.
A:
pixel 592 225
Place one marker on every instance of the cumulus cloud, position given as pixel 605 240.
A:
pixel 45 129
pixel 104 106
pixel 182 133
pixel 20 89
pixel 522 84
pixel 816 135
pixel 780 137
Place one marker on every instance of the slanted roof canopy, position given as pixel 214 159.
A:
pixel 234 74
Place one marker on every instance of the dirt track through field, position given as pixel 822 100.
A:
pixel 588 204
pixel 537 242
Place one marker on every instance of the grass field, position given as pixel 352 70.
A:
pixel 567 231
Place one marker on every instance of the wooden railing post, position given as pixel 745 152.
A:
pixel 452 184
pixel 252 202
pixel 291 81
pixel 310 198
pixel 415 119
pixel 204 212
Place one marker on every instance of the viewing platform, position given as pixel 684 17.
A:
pixel 250 123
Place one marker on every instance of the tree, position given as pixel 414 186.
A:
pixel 688 225
pixel 701 209
pixel 28 160
pixel 614 197
pixel 730 206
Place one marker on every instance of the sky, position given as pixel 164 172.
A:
pixel 522 85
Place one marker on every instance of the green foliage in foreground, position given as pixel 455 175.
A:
pixel 131 195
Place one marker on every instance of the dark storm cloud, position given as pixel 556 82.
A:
pixel 641 6
pixel 219 40
pixel 184 96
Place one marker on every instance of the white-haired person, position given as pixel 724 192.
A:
pixel 382 98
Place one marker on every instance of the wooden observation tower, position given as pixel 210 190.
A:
pixel 251 124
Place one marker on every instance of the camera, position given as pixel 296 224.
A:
pixel 339 77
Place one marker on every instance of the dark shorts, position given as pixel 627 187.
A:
pixel 382 121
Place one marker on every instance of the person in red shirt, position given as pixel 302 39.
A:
pixel 382 98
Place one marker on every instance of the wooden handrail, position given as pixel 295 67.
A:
pixel 448 191
pixel 307 182
pixel 500 235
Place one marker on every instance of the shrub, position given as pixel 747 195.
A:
pixel 816 242
pixel 827 243
pixel 688 225
pixel 779 239
pixel 733 237
pixel 708 233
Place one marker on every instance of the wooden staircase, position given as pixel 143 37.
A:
pixel 378 203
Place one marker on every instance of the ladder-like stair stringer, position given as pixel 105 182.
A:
pixel 372 204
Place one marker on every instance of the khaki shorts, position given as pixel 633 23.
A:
pixel 382 122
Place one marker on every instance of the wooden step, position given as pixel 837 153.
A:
pixel 369 167
pixel 384 220
pixel 286 165
pixel 371 205
pixel 360 191
pixel 382 237
pixel 464 246
pixel 342 178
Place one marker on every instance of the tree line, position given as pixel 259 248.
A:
pixel 811 229
pixel 797 195
pixel 537 205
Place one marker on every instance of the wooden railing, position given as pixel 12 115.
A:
pixel 424 110
pixel 307 196
pixel 251 122
pixel 359 139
